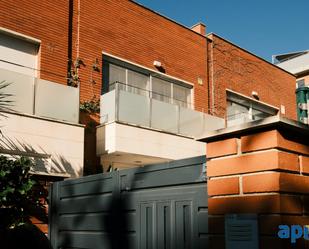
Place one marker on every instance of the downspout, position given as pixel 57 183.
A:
pixel 70 41
pixel 77 53
pixel 212 79
pixel 78 29
pixel 208 73
pixel 212 95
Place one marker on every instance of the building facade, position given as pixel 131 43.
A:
pixel 296 63
pixel 158 83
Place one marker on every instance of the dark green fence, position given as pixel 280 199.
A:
pixel 160 206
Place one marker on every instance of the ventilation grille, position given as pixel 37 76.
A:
pixel 241 231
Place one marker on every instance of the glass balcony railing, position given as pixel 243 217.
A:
pixel 30 95
pixel 130 105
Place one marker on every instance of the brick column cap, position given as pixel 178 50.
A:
pixel 270 123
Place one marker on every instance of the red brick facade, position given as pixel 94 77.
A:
pixel 233 68
pixel 135 33
pixel 131 32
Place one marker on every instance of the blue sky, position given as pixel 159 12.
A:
pixel 260 26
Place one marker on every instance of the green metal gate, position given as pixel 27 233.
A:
pixel 160 206
pixel 302 99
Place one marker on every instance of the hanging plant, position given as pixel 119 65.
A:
pixel 90 106
pixel 73 77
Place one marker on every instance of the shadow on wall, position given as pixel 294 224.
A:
pixel 91 160
pixel 45 163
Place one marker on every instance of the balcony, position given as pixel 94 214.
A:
pixel 135 122
pixel 42 123
pixel 41 98
pixel 137 107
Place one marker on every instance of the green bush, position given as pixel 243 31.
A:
pixel 18 198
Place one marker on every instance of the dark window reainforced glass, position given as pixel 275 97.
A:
pixel 139 81
pixel 161 90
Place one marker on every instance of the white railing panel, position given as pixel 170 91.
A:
pixel 164 116
pixel 21 88
pixel 191 123
pixel 107 107
pixel 133 108
pixel 56 101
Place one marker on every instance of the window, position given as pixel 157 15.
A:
pixel 116 74
pixel 138 83
pixel 143 82
pixel 161 90
pixel 182 95
pixel 17 54
pixel 300 83
pixel 241 109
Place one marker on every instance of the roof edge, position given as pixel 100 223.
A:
pixel 247 51
pixel 168 18
pixel 267 123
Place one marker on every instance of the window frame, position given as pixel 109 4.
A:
pixel 250 103
pixel 107 60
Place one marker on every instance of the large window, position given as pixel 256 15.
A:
pixel 140 81
pixel 241 109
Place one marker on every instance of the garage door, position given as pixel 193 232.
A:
pixel 158 206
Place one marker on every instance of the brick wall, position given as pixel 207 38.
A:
pixel 231 67
pixel 264 171
pixel 129 31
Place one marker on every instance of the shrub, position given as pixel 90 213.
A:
pixel 18 198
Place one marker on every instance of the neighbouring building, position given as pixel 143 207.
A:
pixel 158 84
pixel 297 63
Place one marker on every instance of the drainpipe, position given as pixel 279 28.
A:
pixel 211 85
pixel 70 38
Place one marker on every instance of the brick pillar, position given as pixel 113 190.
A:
pixel 260 168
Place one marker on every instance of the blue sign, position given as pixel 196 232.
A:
pixel 294 232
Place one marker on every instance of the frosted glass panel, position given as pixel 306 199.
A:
pixel 212 123
pixel 22 89
pixel 133 109
pixel 107 107
pixel 190 122
pixel 56 101
pixel 164 116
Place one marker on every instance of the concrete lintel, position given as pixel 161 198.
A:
pixel 274 122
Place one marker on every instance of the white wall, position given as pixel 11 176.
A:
pixel 58 148
pixel 114 138
pixel 296 65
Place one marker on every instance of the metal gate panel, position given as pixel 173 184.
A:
pixel 161 206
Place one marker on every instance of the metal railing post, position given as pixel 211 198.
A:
pixel 34 94
pixel 116 101
pixel 178 118
pixel 150 110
